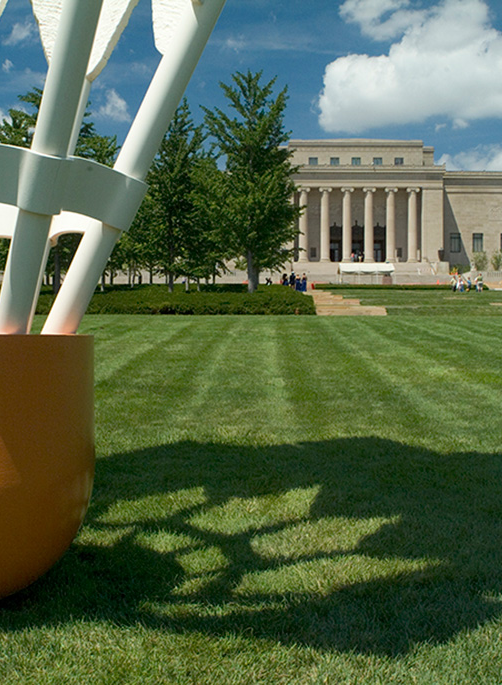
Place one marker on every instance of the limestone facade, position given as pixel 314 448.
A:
pixel 387 201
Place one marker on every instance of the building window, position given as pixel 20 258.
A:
pixel 334 161
pixel 377 161
pixel 398 161
pixel 454 242
pixel 313 161
pixel 356 161
pixel 477 242
pixel 313 253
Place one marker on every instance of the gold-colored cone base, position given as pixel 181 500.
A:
pixel 46 451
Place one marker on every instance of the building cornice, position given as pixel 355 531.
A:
pixel 316 177
pixel 355 142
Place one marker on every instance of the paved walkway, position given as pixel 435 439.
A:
pixel 328 304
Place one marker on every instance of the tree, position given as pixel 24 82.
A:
pixel 257 188
pixel 172 187
pixel 140 245
pixel 206 251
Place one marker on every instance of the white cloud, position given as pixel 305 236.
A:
pixel 7 66
pixel 381 19
pixel 235 43
pixel 482 158
pixel 115 107
pixel 21 33
pixel 447 64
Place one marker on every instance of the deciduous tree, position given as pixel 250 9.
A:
pixel 259 218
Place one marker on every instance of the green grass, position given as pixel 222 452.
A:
pixel 423 300
pixel 281 500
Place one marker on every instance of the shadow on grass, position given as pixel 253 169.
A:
pixel 425 564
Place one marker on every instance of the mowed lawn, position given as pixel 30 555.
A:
pixel 281 500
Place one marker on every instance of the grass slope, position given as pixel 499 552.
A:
pixel 281 500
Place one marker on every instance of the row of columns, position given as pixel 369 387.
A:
pixel 368 223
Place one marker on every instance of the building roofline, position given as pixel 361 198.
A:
pixel 347 142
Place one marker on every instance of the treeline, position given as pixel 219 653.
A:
pixel 217 192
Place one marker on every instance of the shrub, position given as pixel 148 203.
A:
pixel 156 299
pixel 480 260
pixel 496 260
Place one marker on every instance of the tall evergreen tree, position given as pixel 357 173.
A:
pixel 207 251
pixel 172 186
pixel 257 188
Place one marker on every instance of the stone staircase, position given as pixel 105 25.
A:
pixel 328 304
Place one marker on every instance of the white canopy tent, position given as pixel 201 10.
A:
pixel 367 268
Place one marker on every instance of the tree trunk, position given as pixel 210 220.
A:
pixel 103 281
pixel 187 285
pixel 171 281
pixel 253 273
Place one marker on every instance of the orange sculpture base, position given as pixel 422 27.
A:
pixel 46 451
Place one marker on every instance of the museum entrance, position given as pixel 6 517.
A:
pixel 357 244
pixel 379 248
pixel 357 247
pixel 335 243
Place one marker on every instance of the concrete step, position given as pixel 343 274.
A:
pixel 327 304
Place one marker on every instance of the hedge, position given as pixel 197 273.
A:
pixel 156 299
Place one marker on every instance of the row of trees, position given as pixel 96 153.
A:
pixel 217 192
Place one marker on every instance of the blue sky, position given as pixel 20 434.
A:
pixel 406 69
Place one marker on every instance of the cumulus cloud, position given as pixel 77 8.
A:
pixel 446 64
pixel 7 66
pixel 21 33
pixel 115 107
pixel 482 158
pixel 381 19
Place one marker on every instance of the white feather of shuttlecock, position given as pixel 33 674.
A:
pixel 166 16
pixel 113 19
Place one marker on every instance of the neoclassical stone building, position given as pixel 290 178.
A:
pixel 385 201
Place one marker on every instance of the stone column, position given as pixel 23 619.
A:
pixel 325 238
pixel 347 224
pixel 291 244
pixel 390 252
pixel 303 238
pixel 412 224
pixel 369 233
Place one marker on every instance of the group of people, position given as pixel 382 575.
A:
pixel 460 284
pixel 295 281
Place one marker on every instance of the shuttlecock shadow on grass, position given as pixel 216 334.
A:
pixel 354 544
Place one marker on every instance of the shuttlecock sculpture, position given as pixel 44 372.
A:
pixel 46 405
